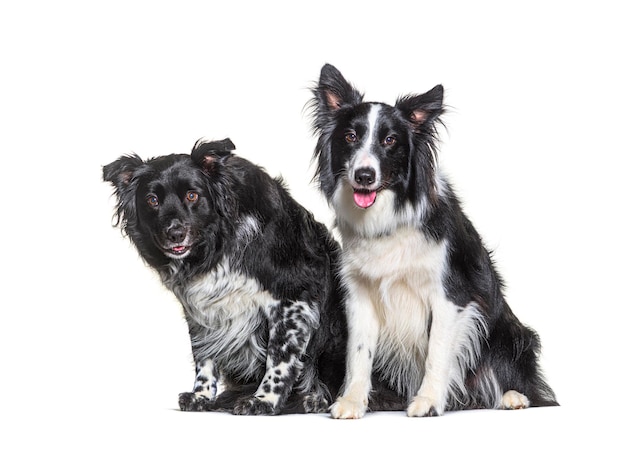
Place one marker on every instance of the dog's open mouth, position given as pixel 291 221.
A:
pixel 178 251
pixel 364 198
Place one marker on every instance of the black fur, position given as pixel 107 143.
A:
pixel 253 270
pixel 404 151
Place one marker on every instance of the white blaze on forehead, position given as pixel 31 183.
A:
pixel 372 118
pixel 364 156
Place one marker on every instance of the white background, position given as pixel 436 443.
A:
pixel 94 351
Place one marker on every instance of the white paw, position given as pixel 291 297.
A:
pixel 423 407
pixel 514 400
pixel 345 408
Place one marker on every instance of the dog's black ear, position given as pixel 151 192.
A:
pixel 333 91
pixel 209 155
pixel 424 109
pixel 120 172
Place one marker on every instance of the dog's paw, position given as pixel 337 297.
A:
pixel 345 408
pixel 422 407
pixel 254 406
pixel 514 400
pixel 190 401
pixel 315 403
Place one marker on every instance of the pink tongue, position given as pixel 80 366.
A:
pixel 364 199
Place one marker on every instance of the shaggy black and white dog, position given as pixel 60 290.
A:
pixel 425 307
pixel 254 272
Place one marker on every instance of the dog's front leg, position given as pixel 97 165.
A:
pixel 443 347
pixel 206 388
pixel 363 330
pixel 291 325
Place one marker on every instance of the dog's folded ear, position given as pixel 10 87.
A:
pixel 219 148
pixel 209 154
pixel 120 172
pixel 424 109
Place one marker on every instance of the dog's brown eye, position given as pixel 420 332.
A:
pixel 152 200
pixel 192 196
pixel 389 141
pixel 350 137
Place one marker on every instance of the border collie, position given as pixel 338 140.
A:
pixel 425 306
pixel 254 272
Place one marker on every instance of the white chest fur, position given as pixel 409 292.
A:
pixel 223 295
pixel 402 275
pixel 405 254
pixel 231 310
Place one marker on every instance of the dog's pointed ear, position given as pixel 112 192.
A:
pixel 424 109
pixel 120 172
pixel 209 155
pixel 333 91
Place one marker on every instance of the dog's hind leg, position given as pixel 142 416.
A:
pixel 513 355
pixel 514 400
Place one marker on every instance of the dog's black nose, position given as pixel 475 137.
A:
pixel 365 176
pixel 176 234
